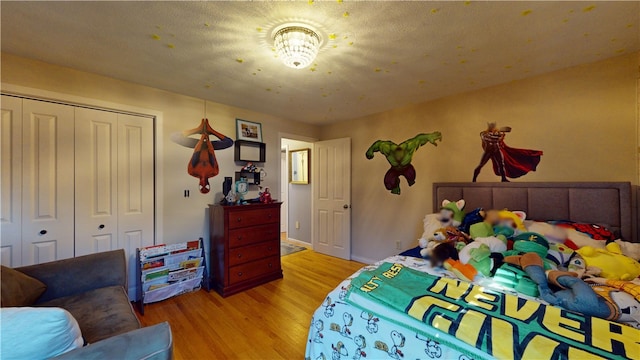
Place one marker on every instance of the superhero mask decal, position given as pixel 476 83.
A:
pixel 507 162
pixel 203 164
pixel 399 157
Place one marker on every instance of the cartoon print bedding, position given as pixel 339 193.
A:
pixel 401 308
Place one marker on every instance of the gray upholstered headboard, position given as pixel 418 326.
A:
pixel 610 203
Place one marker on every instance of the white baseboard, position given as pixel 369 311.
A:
pixel 300 242
pixel 363 259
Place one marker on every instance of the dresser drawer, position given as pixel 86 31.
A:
pixel 245 254
pixel 253 234
pixel 253 269
pixel 242 218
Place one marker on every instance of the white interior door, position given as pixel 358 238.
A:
pixel 96 177
pixel 332 197
pixel 11 181
pixel 135 188
pixel 284 184
pixel 47 178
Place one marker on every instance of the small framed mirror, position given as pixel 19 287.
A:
pixel 299 166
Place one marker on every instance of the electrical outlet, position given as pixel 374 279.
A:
pixel 297 224
pixel 398 245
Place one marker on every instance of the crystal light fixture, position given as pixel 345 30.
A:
pixel 297 46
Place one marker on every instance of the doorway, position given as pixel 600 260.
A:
pixel 296 200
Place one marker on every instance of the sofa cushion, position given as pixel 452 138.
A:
pixel 101 313
pixel 37 333
pixel 149 343
pixel 18 289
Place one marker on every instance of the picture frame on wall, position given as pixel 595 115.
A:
pixel 248 130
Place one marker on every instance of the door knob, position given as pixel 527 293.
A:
pixel 101 226
pixel 42 232
pixel 345 206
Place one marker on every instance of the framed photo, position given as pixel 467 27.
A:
pixel 248 130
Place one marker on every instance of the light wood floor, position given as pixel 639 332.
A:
pixel 267 322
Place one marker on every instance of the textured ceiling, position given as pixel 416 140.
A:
pixel 377 55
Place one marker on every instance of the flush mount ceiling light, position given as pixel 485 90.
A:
pixel 297 45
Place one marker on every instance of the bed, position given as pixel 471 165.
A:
pixel 401 308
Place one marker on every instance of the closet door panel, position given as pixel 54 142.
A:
pixel 135 186
pixel 96 174
pixel 11 181
pixel 48 185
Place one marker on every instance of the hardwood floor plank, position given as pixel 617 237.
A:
pixel 267 322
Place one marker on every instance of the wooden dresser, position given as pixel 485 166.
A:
pixel 244 245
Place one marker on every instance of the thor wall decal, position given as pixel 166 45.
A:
pixel 203 163
pixel 399 157
pixel 507 162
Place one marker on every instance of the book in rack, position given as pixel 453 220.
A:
pixel 164 271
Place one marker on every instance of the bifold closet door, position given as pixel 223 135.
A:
pixel 135 188
pixel 47 182
pixel 96 177
pixel 114 181
pixel 11 182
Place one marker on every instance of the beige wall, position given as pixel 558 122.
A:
pixel 584 119
pixel 183 218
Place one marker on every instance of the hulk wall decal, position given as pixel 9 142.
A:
pixel 399 157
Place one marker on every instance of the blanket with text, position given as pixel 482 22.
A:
pixel 502 325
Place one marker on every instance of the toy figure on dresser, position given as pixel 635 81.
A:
pixel 507 162
pixel 242 188
pixel 265 197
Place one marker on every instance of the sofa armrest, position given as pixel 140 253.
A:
pixel 149 343
pixel 80 274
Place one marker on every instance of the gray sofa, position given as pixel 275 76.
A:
pixel 93 289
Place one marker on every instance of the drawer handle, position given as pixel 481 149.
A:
pixel 269 216
pixel 270 248
pixel 42 232
pixel 239 237
pixel 239 219
pixel 101 226
pixel 270 265
pixel 240 273
pixel 239 256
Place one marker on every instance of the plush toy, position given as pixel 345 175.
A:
pixel 494 245
pixel 614 265
pixel 514 219
pixel 560 254
pixel 449 234
pixel 461 271
pixel 431 224
pixel 531 242
pixel 485 228
pixel 451 213
pixel 605 300
pixel 629 249
pixel 473 217
pixel 553 234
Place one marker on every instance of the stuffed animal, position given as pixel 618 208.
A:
pixel 494 245
pixel 451 213
pixel 431 224
pixel 514 219
pixel 473 217
pixel 485 228
pixel 531 242
pixel 449 234
pixel 614 265
pixel 629 249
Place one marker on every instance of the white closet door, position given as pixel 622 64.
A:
pixel 96 177
pixel 135 187
pixel 11 182
pixel 47 178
